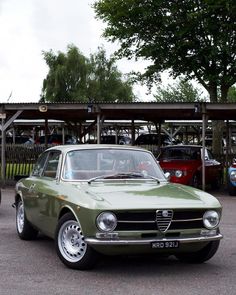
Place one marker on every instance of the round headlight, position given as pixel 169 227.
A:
pixel 178 173
pixel 233 175
pixel 211 219
pixel 106 221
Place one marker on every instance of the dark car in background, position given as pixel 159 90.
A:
pixel 153 139
pixel 184 163
pixel 112 139
pixel 57 139
pixel 19 139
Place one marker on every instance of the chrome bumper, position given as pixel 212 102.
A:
pixel 184 240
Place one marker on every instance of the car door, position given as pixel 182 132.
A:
pixel 212 167
pixel 30 192
pixel 47 190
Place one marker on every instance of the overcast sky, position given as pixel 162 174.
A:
pixel 28 27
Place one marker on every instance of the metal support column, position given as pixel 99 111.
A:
pixel 132 132
pixel 204 123
pixel 98 129
pixel 3 155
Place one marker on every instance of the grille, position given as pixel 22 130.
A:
pixel 163 219
pixel 149 220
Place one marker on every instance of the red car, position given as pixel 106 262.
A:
pixel 184 163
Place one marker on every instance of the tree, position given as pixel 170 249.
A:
pixel 196 38
pixel 181 91
pixel 74 77
pixel 232 94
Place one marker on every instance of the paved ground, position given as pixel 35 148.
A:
pixel 33 267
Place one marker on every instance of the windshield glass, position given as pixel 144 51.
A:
pixel 104 163
pixel 180 153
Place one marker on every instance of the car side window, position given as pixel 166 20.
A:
pixel 51 166
pixel 38 168
pixel 210 156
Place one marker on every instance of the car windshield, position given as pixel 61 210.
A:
pixel 179 153
pixel 110 164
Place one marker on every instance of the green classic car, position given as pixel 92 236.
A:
pixel 103 199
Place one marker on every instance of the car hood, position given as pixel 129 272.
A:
pixel 179 164
pixel 141 195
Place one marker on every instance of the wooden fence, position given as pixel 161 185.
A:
pixel 20 159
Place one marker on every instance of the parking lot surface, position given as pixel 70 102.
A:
pixel 32 267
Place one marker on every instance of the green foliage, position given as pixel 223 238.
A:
pixel 180 91
pixel 232 94
pixel 196 38
pixel 74 77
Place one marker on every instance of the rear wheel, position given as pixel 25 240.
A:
pixel 71 247
pixel 24 228
pixel 201 256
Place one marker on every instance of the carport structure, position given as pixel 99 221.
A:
pixel 99 112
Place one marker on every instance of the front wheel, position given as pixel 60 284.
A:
pixel 24 228
pixel 200 256
pixel 71 247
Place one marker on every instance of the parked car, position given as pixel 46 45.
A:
pixel 20 139
pixel 232 179
pixel 111 139
pixel 184 163
pixel 96 199
pixel 153 139
pixel 57 139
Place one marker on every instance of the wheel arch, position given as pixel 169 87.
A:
pixel 66 210
pixel 18 197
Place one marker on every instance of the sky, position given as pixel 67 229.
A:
pixel 29 27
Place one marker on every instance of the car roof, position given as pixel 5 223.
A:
pixel 67 148
pixel 182 146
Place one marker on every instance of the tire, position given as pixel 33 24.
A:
pixel 201 256
pixel 24 228
pixel 196 181
pixel 231 189
pixel 71 248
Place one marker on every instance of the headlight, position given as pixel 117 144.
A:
pixel 211 219
pixel 106 221
pixel 233 175
pixel 178 173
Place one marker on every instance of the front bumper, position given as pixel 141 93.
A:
pixel 130 242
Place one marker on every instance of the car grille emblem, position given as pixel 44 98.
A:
pixel 163 219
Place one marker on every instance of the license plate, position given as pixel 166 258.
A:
pixel 165 245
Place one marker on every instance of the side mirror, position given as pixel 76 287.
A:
pixel 167 175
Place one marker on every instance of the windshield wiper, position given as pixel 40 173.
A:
pixel 123 175
pixel 97 177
